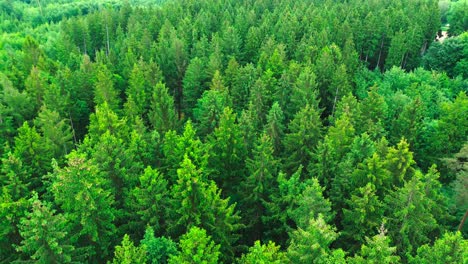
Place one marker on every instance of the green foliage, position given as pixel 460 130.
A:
pixel 376 250
pixel 211 105
pixel 311 245
pixel 450 248
pixel 158 249
pixel 128 253
pixel 197 201
pixel 151 198
pixel 263 254
pixel 457 17
pixel 162 115
pixel 196 247
pixel 82 193
pixel 45 237
pixel 305 133
pixel 331 120
pixel 228 153
pixel 258 186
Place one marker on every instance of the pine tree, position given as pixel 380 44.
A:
pixel 56 132
pixel 34 156
pixel 196 201
pixel 364 215
pixel 82 193
pixel 150 199
pixel 128 253
pixel 158 249
pixel 259 254
pixel 311 203
pixel 450 248
pixel 196 247
pixel 312 244
pixel 228 153
pixel 104 91
pixel 376 250
pixel 305 131
pixel 45 238
pixel 410 218
pixel 162 115
pixel 275 127
pixel 211 105
pixel 194 84
pixel 175 147
pixel 258 186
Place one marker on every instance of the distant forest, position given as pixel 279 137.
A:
pixel 234 131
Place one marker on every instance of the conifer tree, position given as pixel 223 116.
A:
pixel 275 127
pixel 104 91
pixel 450 248
pixel 196 201
pixel 196 247
pixel 158 249
pixel 128 253
pixel 45 237
pixel 228 153
pixel 305 131
pixel 150 199
pixel 269 253
pixel 211 105
pixel 162 114
pixel 258 186
pixel 312 244
pixel 376 250
pixel 83 195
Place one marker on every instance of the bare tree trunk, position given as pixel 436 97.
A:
pixel 463 221
pixel 380 52
pixel 73 128
pixel 334 102
pixel 107 38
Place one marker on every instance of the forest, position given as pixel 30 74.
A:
pixel 234 131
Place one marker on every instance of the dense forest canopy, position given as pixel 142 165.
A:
pixel 236 131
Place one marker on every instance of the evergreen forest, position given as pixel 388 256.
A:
pixel 234 131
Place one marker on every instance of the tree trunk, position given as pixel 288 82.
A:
pixel 463 221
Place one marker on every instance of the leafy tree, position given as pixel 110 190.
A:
pixel 128 253
pixel 457 17
pixel 269 253
pixel 196 247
